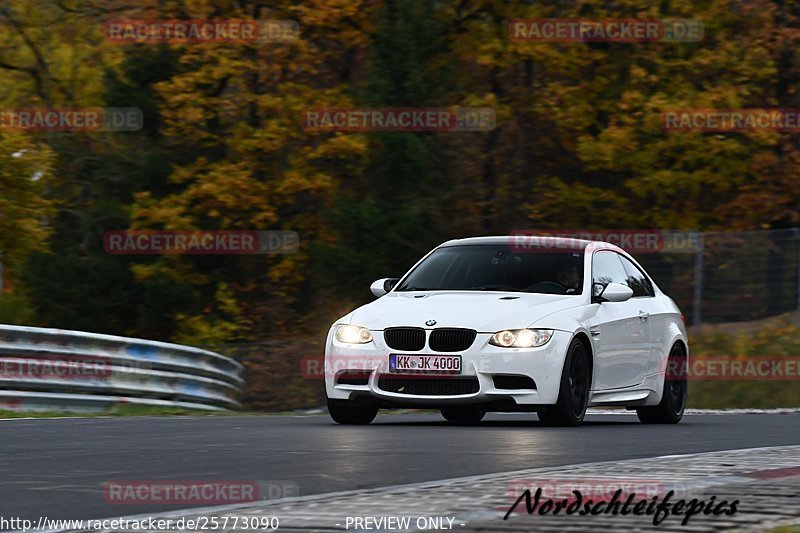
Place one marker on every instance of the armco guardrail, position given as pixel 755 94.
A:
pixel 61 370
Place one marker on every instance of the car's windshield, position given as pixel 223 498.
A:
pixel 497 268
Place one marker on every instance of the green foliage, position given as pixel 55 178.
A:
pixel 15 308
pixel 25 175
pixel 774 338
pixel 229 324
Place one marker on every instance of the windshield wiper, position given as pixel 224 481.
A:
pixel 502 288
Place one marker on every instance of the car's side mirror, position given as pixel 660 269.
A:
pixel 611 292
pixel 383 285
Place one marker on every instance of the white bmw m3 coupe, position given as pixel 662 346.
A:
pixel 550 326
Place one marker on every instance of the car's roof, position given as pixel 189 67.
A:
pixel 523 239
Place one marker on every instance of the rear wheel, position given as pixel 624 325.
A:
pixel 463 414
pixel 573 394
pixel 673 399
pixel 347 412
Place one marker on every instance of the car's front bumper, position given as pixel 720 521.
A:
pixel 481 362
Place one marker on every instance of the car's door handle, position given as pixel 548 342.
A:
pixel 643 315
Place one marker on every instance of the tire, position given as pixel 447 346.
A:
pixel 673 398
pixel 573 394
pixel 467 415
pixel 348 413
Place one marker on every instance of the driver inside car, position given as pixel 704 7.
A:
pixel 567 274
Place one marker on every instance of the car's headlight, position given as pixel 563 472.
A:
pixel 353 334
pixel 521 338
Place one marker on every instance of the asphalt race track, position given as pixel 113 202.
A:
pixel 56 467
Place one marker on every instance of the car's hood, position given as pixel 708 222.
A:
pixel 485 312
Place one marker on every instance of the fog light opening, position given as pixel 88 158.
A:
pixel 513 382
pixel 354 377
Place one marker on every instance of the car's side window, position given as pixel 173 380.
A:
pixel 606 268
pixel 637 280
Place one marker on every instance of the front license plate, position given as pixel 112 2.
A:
pixel 425 364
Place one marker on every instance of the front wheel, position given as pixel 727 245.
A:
pixel 348 413
pixel 573 394
pixel 673 398
pixel 463 414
